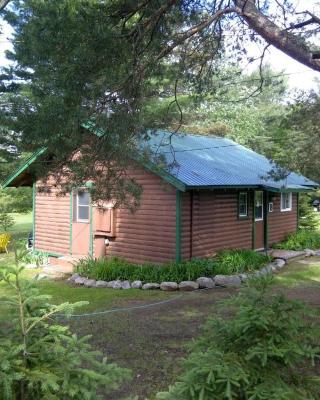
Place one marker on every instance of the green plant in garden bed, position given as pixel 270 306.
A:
pixel 303 239
pixel 266 349
pixel 116 268
pixel 227 262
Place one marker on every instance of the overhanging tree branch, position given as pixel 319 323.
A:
pixel 274 35
pixel 3 4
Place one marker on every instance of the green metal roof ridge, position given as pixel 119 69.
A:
pixel 23 167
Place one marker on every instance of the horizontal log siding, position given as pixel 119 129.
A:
pixel 148 235
pixel 282 223
pixel 52 216
pixel 215 223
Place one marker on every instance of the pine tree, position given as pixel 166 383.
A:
pixel 42 359
pixel 266 351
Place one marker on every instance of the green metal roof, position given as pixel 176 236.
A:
pixel 201 162
pixel 206 162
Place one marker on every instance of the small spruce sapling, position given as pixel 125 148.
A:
pixel 265 350
pixel 42 359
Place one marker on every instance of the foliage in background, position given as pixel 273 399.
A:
pixel 16 200
pixel 6 221
pixel 308 218
pixel 42 359
pixel 303 239
pixel 266 349
pixel 227 262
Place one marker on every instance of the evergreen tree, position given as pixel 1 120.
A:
pixel 42 359
pixel 102 61
pixel 266 350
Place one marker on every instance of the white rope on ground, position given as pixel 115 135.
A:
pixel 122 309
pixel 114 310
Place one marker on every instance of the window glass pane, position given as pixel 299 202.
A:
pixel 83 198
pixel 243 209
pixel 286 201
pixel 258 205
pixel 83 212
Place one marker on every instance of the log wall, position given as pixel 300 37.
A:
pixel 282 222
pixel 52 220
pixel 215 225
pixel 148 235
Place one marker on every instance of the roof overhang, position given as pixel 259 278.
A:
pixel 21 176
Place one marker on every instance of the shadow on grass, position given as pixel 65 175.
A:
pixel 300 273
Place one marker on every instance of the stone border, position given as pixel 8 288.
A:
pixel 201 283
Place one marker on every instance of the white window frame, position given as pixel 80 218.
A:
pixel 246 214
pixel 290 202
pixel 77 205
pixel 262 204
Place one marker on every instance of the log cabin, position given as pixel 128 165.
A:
pixel 211 194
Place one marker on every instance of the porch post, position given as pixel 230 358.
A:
pixel 297 211
pixel 266 224
pixel 253 220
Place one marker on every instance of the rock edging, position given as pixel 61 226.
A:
pixel 202 282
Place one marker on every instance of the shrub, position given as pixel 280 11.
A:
pixel 303 239
pixel 5 239
pixel 6 221
pixel 266 350
pixel 237 261
pixel 41 359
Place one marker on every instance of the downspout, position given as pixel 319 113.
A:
pixel 178 225
pixel 34 189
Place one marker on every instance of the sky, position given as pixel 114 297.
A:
pixel 299 76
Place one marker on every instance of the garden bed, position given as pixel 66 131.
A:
pixel 251 264
pixel 228 268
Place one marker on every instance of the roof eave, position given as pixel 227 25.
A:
pixel 23 167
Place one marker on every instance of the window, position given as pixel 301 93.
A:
pixel 258 206
pixel 243 204
pixel 286 201
pixel 82 205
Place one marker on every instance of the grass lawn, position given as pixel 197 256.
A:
pixel 151 341
pixel 22 226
